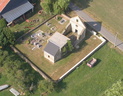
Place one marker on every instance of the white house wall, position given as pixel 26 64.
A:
pixel 77 25
pixel 49 57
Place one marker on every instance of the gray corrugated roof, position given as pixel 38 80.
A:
pixel 17 12
pixel 51 48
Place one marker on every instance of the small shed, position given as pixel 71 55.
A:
pixel 2 87
pixel 15 92
pixel 14 9
pixel 56 42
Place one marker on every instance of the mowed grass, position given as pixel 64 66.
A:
pixel 109 12
pixel 59 68
pixel 85 81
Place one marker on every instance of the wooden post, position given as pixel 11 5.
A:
pixel 24 17
pixel 115 40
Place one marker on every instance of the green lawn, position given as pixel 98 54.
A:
pixel 109 12
pixel 85 81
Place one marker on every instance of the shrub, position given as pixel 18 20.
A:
pixel 2 23
pixel 59 18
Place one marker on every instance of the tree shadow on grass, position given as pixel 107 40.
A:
pixel 60 86
pixel 18 34
pixel 23 37
pixel 82 3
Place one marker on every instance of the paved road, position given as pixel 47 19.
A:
pixel 97 26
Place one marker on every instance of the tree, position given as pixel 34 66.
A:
pixel 45 86
pixel 47 6
pixel 6 37
pixel 3 55
pixel 9 35
pixel 115 90
pixel 60 6
pixel 55 6
pixel 17 71
pixel 2 23
pixel 70 46
pixel 3 39
pixel 64 50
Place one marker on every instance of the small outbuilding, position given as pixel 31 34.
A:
pixel 2 87
pixel 53 49
pixel 15 92
pixel 12 9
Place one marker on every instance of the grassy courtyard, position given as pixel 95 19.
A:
pixel 85 81
pixel 59 68
pixel 109 12
pixel 53 23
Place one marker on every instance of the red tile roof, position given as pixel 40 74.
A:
pixel 3 4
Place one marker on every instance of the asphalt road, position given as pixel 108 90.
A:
pixel 97 27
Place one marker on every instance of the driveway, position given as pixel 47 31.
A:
pixel 97 26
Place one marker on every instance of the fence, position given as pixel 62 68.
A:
pixel 35 28
pixel 43 74
pixel 77 64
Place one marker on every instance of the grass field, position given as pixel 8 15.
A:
pixel 85 81
pixel 109 12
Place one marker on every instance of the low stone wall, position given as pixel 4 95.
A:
pixel 43 74
pixel 77 64
pixel 65 16
pixel 67 29
pixel 35 28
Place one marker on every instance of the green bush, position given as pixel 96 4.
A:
pixel 59 18
pixel 2 23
